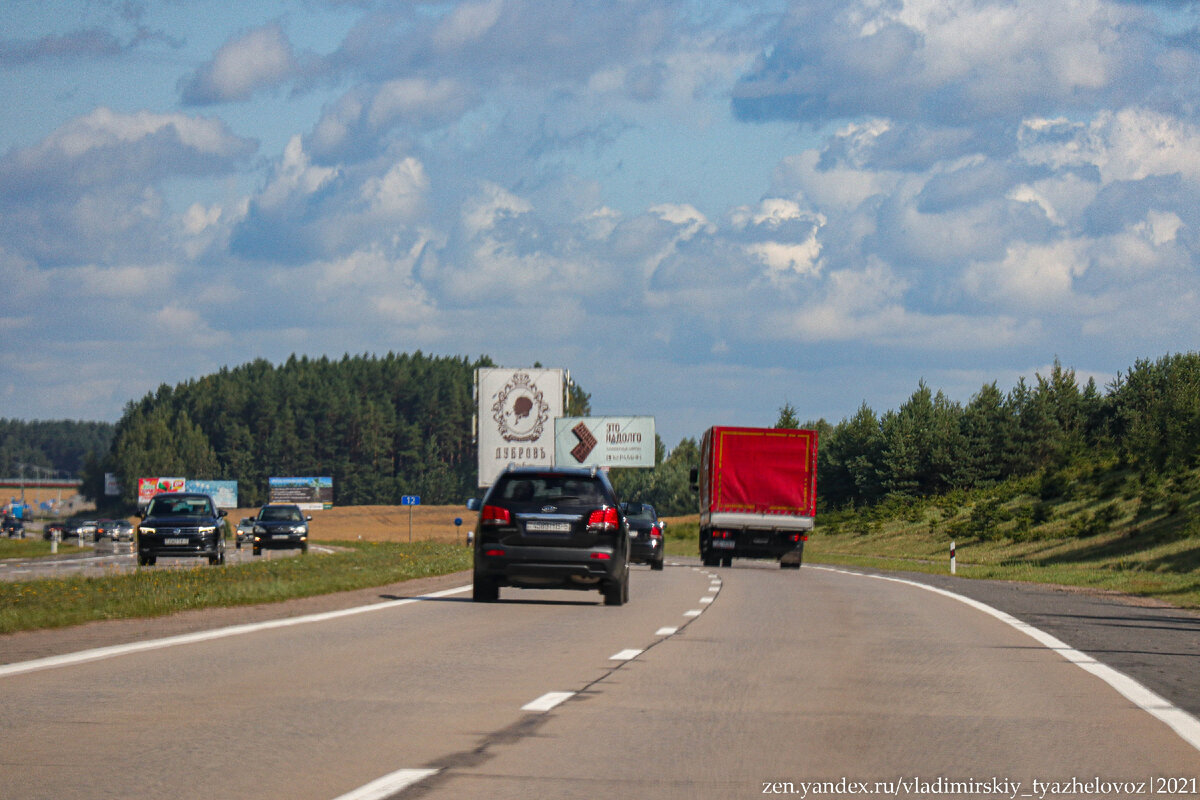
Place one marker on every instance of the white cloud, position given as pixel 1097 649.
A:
pixel 400 192
pixel 257 59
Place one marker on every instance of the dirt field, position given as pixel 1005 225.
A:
pixel 382 523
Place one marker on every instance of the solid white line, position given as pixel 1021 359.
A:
pixel 68 659
pixel 388 784
pixel 625 655
pixel 1178 720
pixel 548 701
pixel 666 631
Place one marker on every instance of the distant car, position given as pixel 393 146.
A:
pixel 280 527
pixel 53 530
pixel 181 524
pixel 645 534
pixel 118 530
pixel 13 527
pixel 245 532
pixel 551 528
pixel 79 528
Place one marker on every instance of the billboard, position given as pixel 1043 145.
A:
pixel 604 441
pixel 223 493
pixel 148 487
pixel 311 494
pixel 517 409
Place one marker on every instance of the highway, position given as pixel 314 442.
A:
pixel 711 683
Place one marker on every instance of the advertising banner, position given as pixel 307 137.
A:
pixel 148 487
pixel 517 409
pixel 223 493
pixel 604 441
pixel 112 487
pixel 311 494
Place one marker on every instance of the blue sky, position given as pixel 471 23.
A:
pixel 702 209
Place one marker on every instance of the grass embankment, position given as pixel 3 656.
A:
pixel 33 548
pixel 1100 528
pixel 28 605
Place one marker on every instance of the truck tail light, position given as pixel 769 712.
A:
pixel 721 535
pixel 602 556
pixel 603 520
pixel 493 553
pixel 495 515
pixel 799 537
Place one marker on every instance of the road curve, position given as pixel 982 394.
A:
pixel 710 683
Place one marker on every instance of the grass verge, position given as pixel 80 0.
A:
pixel 33 548
pixel 30 605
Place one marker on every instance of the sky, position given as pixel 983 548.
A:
pixel 704 209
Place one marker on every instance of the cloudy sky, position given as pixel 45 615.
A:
pixel 702 208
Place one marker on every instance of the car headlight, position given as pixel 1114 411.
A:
pixel 300 529
pixel 207 530
pixel 150 531
pixel 259 530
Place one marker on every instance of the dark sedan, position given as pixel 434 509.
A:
pixel 14 528
pixel 645 534
pixel 280 527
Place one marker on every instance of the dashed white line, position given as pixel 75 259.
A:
pixel 388 784
pixel 695 612
pixel 666 631
pixel 706 599
pixel 625 655
pixel 548 701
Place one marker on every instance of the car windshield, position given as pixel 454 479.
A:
pixel 269 514
pixel 549 489
pixel 180 507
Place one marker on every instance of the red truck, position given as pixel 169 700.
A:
pixel 758 494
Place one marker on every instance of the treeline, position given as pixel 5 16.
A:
pixel 381 427
pixel 50 448
pixel 1148 419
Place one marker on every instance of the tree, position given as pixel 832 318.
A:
pixel 787 417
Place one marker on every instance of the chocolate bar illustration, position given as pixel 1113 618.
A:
pixel 587 442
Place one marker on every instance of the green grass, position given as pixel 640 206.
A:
pixel 53 603
pixel 1100 528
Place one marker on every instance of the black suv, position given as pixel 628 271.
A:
pixel 280 526
pixel 181 524
pixel 551 528
pixel 13 527
pixel 645 533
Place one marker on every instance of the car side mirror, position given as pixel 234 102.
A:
pixel 473 504
pixel 308 517
pixel 662 524
pixel 221 512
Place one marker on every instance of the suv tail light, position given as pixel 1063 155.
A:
pixel 603 520
pixel 655 530
pixel 495 515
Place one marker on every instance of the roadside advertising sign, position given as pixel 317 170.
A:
pixel 148 487
pixel 223 493
pixel 112 487
pixel 604 441
pixel 311 494
pixel 517 409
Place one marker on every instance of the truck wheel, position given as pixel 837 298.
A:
pixel 656 565
pixel 789 565
pixel 727 561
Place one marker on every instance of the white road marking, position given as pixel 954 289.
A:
pixel 695 612
pixel 706 599
pixel 68 659
pixel 1178 720
pixel 388 784
pixel 716 587
pixel 548 701
pixel 625 655
pixel 666 631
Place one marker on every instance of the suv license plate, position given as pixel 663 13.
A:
pixel 548 527
pixel 723 544
pixel 280 536
pixel 174 541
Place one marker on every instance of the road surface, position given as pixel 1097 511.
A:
pixel 711 683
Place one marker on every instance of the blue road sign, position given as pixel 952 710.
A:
pixel 410 500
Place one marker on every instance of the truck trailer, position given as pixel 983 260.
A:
pixel 758 494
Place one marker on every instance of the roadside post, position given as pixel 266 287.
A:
pixel 953 565
pixel 410 500
pixel 457 526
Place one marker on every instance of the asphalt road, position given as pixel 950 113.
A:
pixel 108 557
pixel 711 683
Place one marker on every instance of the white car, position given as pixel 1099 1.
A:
pixel 245 531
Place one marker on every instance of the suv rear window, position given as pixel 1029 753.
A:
pixel 549 489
